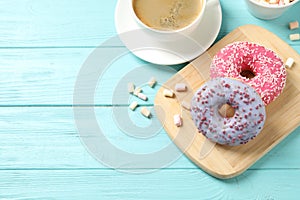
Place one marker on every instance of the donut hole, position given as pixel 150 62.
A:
pixel 247 70
pixel 226 111
pixel 247 65
pixel 248 73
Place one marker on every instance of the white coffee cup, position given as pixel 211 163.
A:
pixel 267 11
pixel 176 33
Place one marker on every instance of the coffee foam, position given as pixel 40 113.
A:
pixel 167 14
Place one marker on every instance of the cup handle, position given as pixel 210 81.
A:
pixel 212 2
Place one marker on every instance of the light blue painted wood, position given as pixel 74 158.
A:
pixel 26 73
pixel 46 137
pixel 43 45
pixel 48 76
pixel 50 23
pixel 164 184
pixel 60 23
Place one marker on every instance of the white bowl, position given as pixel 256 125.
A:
pixel 267 11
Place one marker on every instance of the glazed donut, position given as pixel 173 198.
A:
pixel 246 121
pixel 253 64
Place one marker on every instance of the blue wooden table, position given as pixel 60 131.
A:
pixel 43 46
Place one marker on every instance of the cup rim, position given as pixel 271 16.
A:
pixel 273 6
pixel 196 20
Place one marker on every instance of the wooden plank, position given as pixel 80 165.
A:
pixel 224 161
pixel 59 23
pixel 56 23
pixel 48 76
pixel 163 184
pixel 39 76
pixel 47 138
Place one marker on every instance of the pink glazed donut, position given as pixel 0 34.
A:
pixel 253 64
pixel 244 124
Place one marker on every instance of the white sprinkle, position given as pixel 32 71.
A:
pixel 295 36
pixel 177 120
pixel 168 93
pixel 289 62
pixel 133 105
pixel 186 105
pixel 152 82
pixel 142 96
pixel 180 87
pixel 145 112
pixel 130 88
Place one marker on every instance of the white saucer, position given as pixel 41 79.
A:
pixel 151 49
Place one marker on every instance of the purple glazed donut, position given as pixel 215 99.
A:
pixel 247 120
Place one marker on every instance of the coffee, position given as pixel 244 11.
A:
pixel 167 14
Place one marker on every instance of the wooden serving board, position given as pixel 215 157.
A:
pixel 283 114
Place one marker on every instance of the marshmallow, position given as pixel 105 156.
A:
pixel 168 93
pixel 186 105
pixel 133 105
pixel 180 87
pixel 295 36
pixel 294 25
pixel 142 96
pixel 177 120
pixel 289 62
pixel 131 88
pixel 152 82
pixel 145 112
pixel 137 91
